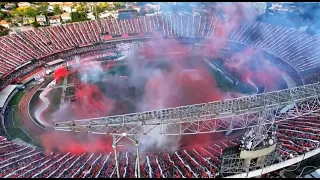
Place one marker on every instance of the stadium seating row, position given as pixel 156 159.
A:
pixel 296 137
pixel 300 50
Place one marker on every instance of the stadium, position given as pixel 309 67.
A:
pixel 272 104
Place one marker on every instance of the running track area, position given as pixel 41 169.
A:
pixel 25 117
pixel 36 130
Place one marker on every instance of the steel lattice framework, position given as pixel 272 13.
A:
pixel 232 164
pixel 239 113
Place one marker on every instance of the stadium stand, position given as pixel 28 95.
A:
pixel 295 138
pixel 295 51
pixel 18 49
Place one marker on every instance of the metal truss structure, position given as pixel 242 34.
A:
pixel 135 141
pixel 240 113
pixel 258 112
pixel 232 164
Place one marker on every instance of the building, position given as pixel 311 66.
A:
pixel 104 15
pixel 53 3
pixel 127 13
pixel 67 7
pixel 42 20
pixel 17 20
pixel 9 6
pixel 24 4
pixel 65 17
pixel 28 20
pixel 114 14
pixel 91 16
pixel 5 24
pixel 260 7
pixel 18 30
pixel 109 14
pixel 54 20
pixel 136 8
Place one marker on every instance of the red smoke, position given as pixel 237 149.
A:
pixel 263 75
pixel 185 87
pixel 76 143
pixel 60 73
pixel 90 102
pixel 181 85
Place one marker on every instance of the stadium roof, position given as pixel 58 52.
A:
pixel 5 94
pixel 55 62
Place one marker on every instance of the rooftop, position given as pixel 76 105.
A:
pixel 4 22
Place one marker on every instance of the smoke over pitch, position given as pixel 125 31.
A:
pixel 165 74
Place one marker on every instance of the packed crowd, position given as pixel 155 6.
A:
pixel 312 78
pixel 20 73
pixel 295 137
pixel 38 43
pixel 297 49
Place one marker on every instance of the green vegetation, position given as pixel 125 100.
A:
pixel 16 118
pixel 5 16
pixel 78 16
pixel 60 83
pixel 43 8
pixel 81 7
pixel 2 4
pixel 29 11
pixel 224 83
pixel 69 78
pixel 4 31
pixel 119 5
pixel 35 24
pixel 57 10
pixel 54 97
pixel 33 104
pixel 119 70
pixel 68 91
pixel 103 6
pixel 15 128
pixel 16 98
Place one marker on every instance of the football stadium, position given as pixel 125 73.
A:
pixel 160 96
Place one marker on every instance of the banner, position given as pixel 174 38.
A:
pixel 125 35
pixel 107 37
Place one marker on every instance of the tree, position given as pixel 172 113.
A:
pixel 35 24
pixel 57 10
pixel 43 8
pixel 99 8
pixel 29 11
pixel 2 4
pixel 119 5
pixel 81 7
pixel 3 15
pixel 4 31
pixel 78 16
pixel 17 12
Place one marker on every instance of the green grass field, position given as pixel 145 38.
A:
pixel 60 82
pixel 68 91
pixel 16 99
pixel 54 97
pixel 14 126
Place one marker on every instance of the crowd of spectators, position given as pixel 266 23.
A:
pixel 295 138
pixel 78 38
pixel 67 40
